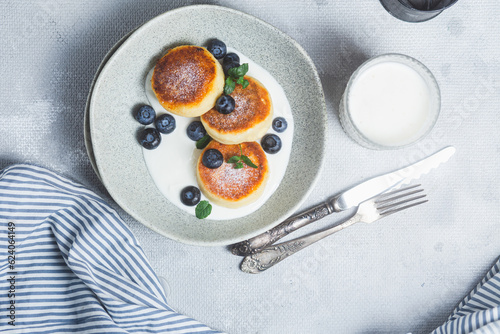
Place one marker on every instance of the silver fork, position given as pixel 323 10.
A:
pixel 368 212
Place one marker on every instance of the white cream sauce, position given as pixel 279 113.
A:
pixel 173 164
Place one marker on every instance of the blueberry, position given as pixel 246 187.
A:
pixel 217 48
pixel 150 138
pixel 196 131
pixel 279 124
pixel 225 104
pixel 190 196
pixel 227 66
pixel 165 123
pixel 212 158
pixel 231 58
pixel 145 115
pixel 271 143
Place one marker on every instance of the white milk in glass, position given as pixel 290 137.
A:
pixel 389 103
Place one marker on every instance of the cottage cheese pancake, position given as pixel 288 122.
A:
pixel 250 119
pixel 231 187
pixel 188 80
pixel 173 164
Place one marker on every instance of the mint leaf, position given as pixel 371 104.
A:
pixel 231 73
pixel 248 161
pixel 229 86
pixel 203 209
pixel 234 159
pixel 235 75
pixel 239 71
pixel 203 142
pixel 242 69
pixel 239 160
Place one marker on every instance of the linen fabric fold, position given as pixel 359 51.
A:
pixel 70 264
pixel 479 312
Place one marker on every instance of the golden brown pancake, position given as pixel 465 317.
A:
pixel 250 119
pixel 188 80
pixel 230 187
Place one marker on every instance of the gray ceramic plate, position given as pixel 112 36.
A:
pixel 120 87
pixel 86 123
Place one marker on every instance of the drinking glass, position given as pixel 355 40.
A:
pixel 352 127
pixel 416 10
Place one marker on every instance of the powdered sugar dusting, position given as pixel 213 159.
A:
pixel 233 183
pixel 254 98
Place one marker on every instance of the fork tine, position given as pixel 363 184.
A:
pixel 394 201
pixel 386 213
pixel 391 204
pixel 393 192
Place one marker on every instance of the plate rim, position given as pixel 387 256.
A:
pixel 86 114
pixel 287 213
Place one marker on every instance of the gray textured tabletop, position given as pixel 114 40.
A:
pixel 405 274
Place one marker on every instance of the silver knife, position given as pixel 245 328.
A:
pixel 348 199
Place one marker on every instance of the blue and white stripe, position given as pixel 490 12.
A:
pixel 78 268
pixel 479 312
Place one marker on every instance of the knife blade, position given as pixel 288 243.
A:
pixel 377 185
pixel 348 199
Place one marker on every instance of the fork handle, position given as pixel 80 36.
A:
pixel 269 256
pixel 293 223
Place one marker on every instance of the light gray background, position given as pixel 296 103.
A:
pixel 404 274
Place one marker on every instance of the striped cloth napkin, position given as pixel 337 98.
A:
pixel 479 312
pixel 69 264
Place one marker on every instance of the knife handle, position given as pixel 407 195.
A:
pixel 269 256
pixel 293 223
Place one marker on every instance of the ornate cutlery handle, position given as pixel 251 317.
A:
pixel 269 256
pixel 293 223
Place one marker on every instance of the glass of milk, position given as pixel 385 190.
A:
pixel 391 101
